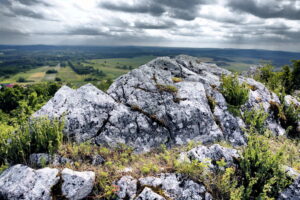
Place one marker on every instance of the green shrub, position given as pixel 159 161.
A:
pixel 211 102
pixel 176 79
pixel 167 88
pixel 255 118
pixel 193 169
pixel 292 117
pixel 259 175
pixel 21 80
pixel 39 136
pixel 236 94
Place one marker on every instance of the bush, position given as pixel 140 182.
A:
pixel 57 79
pixel 236 94
pixel 21 80
pixel 292 118
pixel 255 118
pixel 259 175
pixel 51 71
pixel 39 136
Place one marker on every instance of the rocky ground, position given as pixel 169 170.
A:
pixel 167 101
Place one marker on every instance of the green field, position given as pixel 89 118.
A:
pixel 112 67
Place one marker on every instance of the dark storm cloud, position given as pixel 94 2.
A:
pixel 146 7
pixel 186 10
pixel 161 25
pixel 27 13
pixel 25 10
pixel 86 31
pixel 267 9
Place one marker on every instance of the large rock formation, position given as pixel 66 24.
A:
pixel 165 101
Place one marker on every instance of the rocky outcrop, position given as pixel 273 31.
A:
pixel 166 101
pixel 22 182
pixel 77 185
pixel 173 186
pixel 292 192
pixel 210 155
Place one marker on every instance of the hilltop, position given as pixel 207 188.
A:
pixel 174 128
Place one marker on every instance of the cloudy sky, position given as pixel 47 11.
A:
pixel 266 24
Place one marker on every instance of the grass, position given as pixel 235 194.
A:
pixel 67 74
pixel 113 67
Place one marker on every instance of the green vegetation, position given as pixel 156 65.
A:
pixel 255 118
pixel 236 94
pixel 260 174
pixel 38 136
pixel 176 79
pixel 51 71
pixel 281 82
pixel 284 81
pixel 167 88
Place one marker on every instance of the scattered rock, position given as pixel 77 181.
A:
pixel 22 182
pixel 210 155
pixel 98 160
pixel 291 172
pixel 292 192
pixel 77 185
pixel 39 159
pixel 148 194
pixel 127 188
pixel 42 159
pixel 175 186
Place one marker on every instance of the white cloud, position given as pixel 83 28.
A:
pixel 219 23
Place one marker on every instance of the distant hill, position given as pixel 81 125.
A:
pixel 223 57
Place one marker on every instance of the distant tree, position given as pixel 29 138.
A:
pixel 296 74
pixel 21 80
pixel 51 71
pixel 57 79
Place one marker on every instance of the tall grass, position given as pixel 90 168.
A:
pixel 40 135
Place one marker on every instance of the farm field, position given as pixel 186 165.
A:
pixel 115 67
pixel 33 75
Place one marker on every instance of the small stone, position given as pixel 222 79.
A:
pixel 77 185
pixel 127 188
pixel 148 194
pixel 98 160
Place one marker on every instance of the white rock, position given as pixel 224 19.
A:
pixel 22 182
pixel 127 188
pixel 77 185
pixel 148 194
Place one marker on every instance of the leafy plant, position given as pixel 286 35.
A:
pixel 259 175
pixel 167 88
pixel 41 135
pixel 255 118
pixel 236 94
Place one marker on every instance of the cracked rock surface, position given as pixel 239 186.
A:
pixel 165 101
